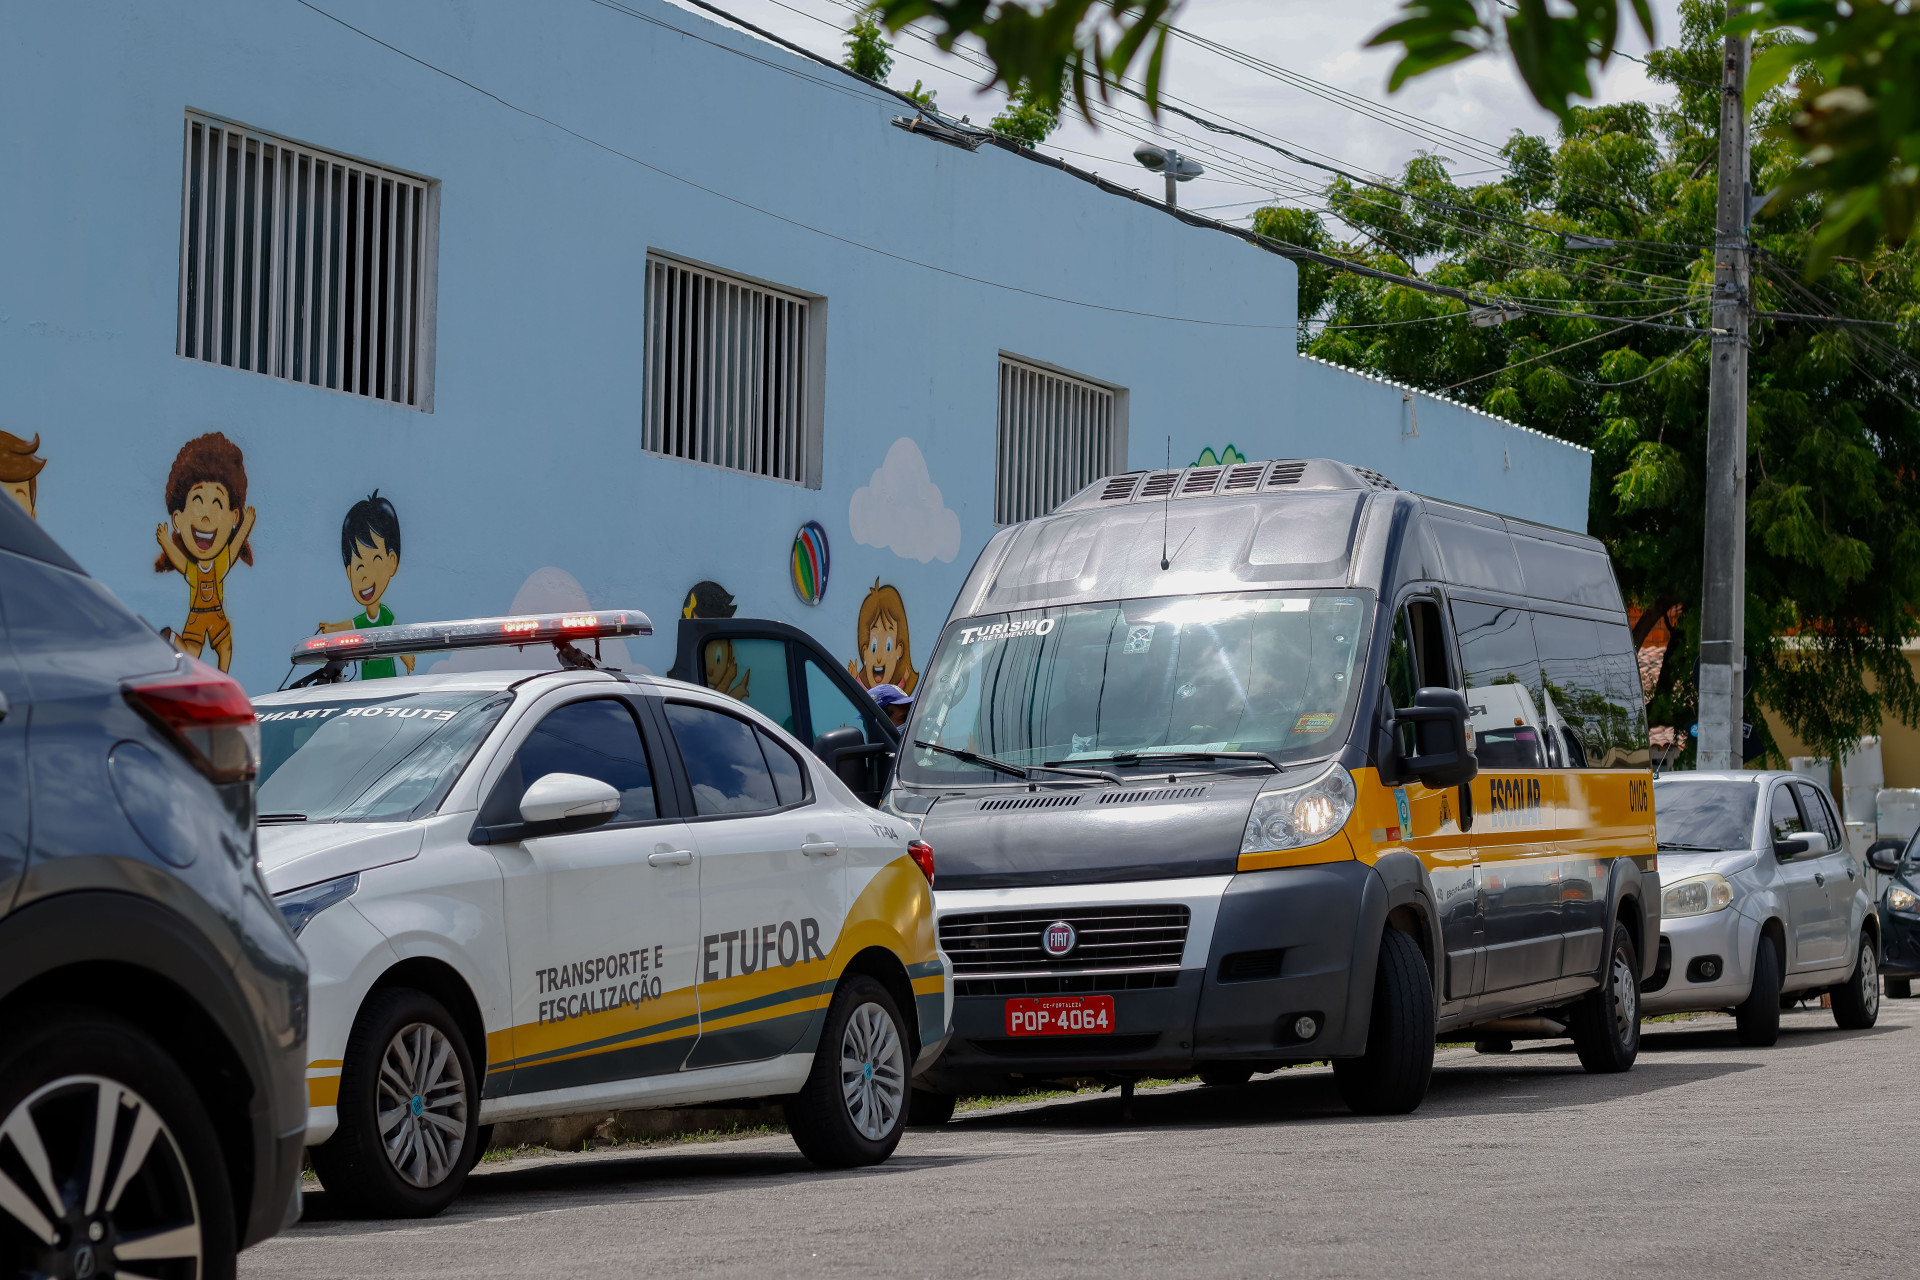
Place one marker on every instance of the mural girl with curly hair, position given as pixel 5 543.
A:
pixel 886 648
pixel 209 520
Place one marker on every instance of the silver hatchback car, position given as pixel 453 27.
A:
pixel 1761 903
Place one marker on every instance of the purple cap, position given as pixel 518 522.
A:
pixel 891 695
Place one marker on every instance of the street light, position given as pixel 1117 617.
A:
pixel 1175 166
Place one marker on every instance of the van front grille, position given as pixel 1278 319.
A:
pixel 1156 793
pixel 1106 939
pixel 1031 802
pixel 1066 984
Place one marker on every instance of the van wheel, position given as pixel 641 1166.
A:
pixel 1225 1077
pixel 1856 1002
pixel 149 1195
pixel 1757 1018
pixel 1899 988
pixel 927 1109
pixel 1606 1022
pixel 1390 1078
pixel 853 1108
pixel 409 1111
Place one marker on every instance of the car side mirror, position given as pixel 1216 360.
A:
pixel 862 765
pixel 1884 856
pixel 568 800
pixel 1441 757
pixel 1790 848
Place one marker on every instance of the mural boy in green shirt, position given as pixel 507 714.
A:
pixel 370 550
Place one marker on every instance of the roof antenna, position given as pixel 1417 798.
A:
pixel 1166 510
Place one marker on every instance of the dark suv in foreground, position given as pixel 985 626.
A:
pixel 152 1002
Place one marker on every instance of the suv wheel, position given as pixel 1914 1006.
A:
pixel 1899 988
pixel 853 1108
pixel 1856 1002
pixel 409 1111
pixel 1757 1018
pixel 109 1164
pixel 1606 1022
pixel 1390 1078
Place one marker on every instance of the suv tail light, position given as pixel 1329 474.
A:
pixel 922 854
pixel 206 713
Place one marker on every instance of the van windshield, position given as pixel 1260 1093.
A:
pixel 369 759
pixel 1267 671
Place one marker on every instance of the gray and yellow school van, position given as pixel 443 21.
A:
pixel 1232 767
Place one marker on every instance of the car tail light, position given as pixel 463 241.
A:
pixel 207 714
pixel 922 854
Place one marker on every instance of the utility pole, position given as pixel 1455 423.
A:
pixel 1723 594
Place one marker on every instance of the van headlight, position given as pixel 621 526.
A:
pixel 1901 898
pixel 1696 896
pixel 1293 815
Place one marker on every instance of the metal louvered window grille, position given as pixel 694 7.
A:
pixel 728 377
pixel 305 265
pixel 1057 435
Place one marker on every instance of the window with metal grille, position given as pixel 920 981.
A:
pixel 1058 434
pixel 732 373
pixel 305 265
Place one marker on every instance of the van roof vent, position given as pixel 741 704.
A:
pixel 1031 802
pixel 1200 480
pixel 1286 473
pixel 1374 478
pixel 1157 793
pixel 1159 484
pixel 1120 487
pixel 1244 476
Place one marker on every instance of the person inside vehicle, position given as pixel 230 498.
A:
pixel 895 701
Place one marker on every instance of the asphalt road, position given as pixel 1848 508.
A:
pixel 1708 1159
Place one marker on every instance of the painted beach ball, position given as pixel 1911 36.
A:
pixel 810 562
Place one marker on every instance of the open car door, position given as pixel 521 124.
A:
pixel 785 674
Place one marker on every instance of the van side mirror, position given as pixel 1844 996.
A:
pixel 1788 849
pixel 1884 856
pixel 862 765
pixel 1441 757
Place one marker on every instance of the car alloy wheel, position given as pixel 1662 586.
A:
pixel 873 1072
pixel 92 1175
pixel 422 1105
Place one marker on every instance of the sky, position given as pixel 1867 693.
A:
pixel 1463 112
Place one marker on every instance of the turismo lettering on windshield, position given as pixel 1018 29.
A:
pixel 1008 630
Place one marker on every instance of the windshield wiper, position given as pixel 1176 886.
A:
pixel 1691 848
pixel 1022 772
pixel 1154 757
pixel 272 818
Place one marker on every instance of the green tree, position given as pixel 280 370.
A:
pixel 1833 555
pixel 868 52
pixel 1856 103
pixel 1029 117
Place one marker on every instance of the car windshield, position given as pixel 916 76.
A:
pixel 368 759
pixel 1269 671
pixel 1711 815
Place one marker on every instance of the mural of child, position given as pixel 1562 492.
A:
pixel 708 599
pixel 886 655
pixel 20 470
pixel 207 501
pixel 370 550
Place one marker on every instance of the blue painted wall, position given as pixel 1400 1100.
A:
pixel 528 478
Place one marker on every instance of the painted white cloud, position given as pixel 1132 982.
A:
pixel 900 509
pixel 546 590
